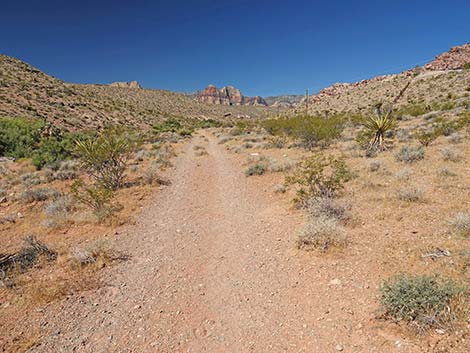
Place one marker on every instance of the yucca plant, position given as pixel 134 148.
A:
pixel 377 127
pixel 383 121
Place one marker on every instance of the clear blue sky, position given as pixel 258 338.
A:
pixel 262 47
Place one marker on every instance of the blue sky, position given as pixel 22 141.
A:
pixel 262 47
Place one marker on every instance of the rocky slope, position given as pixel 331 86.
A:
pixel 436 81
pixel 227 95
pixel 454 59
pixel 27 92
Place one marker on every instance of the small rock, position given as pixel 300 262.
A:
pixel 339 348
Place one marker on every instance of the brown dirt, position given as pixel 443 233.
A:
pixel 214 269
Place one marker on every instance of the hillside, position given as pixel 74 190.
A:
pixel 443 79
pixel 27 92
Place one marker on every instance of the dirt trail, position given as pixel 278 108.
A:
pixel 214 269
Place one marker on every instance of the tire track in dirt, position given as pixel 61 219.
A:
pixel 214 269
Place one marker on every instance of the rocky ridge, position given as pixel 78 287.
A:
pixel 227 95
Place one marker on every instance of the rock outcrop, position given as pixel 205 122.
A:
pixel 132 84
pixel 228 95
pixel 454 59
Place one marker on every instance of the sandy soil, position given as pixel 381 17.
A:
pixel 214 268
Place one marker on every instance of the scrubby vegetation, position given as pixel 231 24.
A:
pixel 422 301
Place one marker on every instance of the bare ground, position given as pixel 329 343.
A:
pixel 214 268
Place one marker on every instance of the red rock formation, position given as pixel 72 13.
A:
pixel 454 59
pixel 227 96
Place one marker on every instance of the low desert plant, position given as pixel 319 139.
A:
pixel 421 301
pixel 95 196
pixel 256 169
pixel 99 254
pixel 327 207
pixel 374 165
pixel 451 154
pixel 39 194
pixel 460 223
pixel 410 154
pixel 321 233
pixel 425 137
pixel 410 193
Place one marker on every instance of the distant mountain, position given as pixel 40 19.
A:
pixel 28 92
pixel 285 100
pixel 227 95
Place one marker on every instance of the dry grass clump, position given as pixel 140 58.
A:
pixel 39 194
pixel 451 154
pixel 58 211
pixel 445 173
pixel 99 254
pixel 460 223
pixel 256 169
pixel 410 154
pixel 321 233
pixel 327 207
pixel 403 174
pixel 280 189
pixel 411 193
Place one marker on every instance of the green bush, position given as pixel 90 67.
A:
pixel 105 157
pixel 19 137
pixel 466 66
pixel 419 300
pixel 309 130
pixel 169 125
pixel 319 176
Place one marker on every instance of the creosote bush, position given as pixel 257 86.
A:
pixel 421 301
pixel 105 158
pixel 319 176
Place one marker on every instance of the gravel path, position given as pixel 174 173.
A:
pixel 214 269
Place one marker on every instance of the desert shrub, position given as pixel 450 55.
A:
pixel 319 175
pixel 38 194
pixel 327 207
pixel 321 233
pixel 18 137
pixel 425 137
pixel 150 175
pixel 96 196
pixel 416 109
pixel 310 131
pixel 455 138
pixel 105 157
pixel 460 223
pixel 409 154
pixel 51 151
pixel 29 179
pixel 224 140
pixel 169 125
pixel 256 169
pixel 62 205
pixel 445 172
pixel 403 174
pixel 281 166
pixel 410 193
pixel 99 253
pixel 65 175
pixel 466 66
pixel 421 301
pixel 450 154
